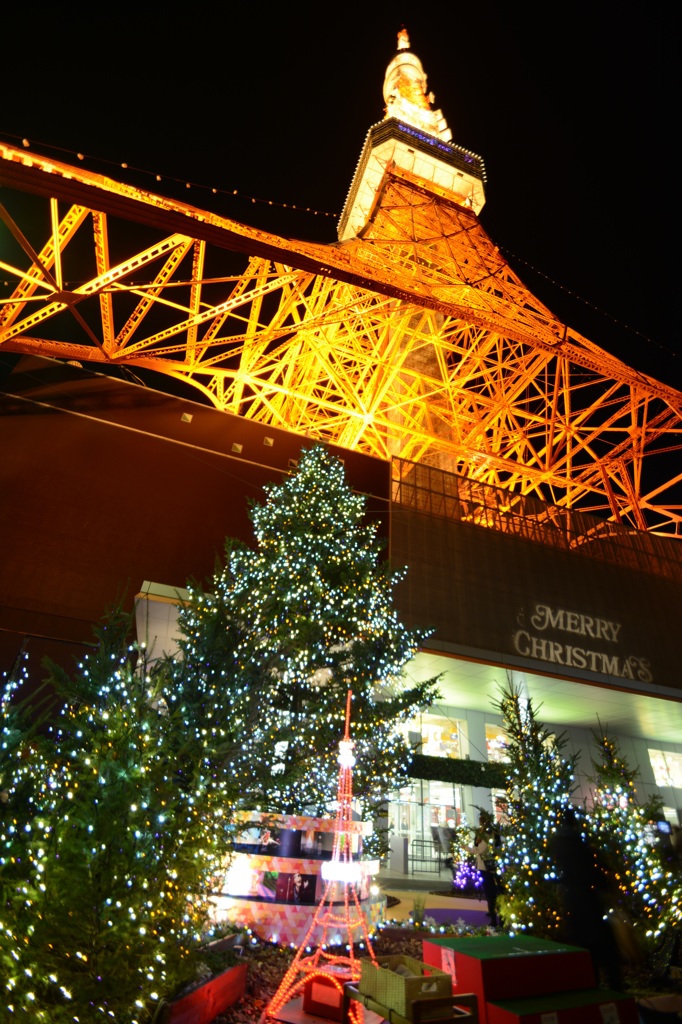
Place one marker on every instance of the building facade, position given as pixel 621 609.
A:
pixel 536 553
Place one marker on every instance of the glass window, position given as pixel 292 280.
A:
pixel 442 737
pixel 500 806
pixel 667 768
pixel 496 743
pixel 415 810
pixel 445 802
pixel 402 808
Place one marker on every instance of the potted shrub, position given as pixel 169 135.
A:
pixel 219 982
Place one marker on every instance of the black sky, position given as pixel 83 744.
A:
pixel 572 107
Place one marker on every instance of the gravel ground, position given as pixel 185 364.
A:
pixel 268 964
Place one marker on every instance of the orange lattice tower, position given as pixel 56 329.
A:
pixel 339 915
pixel 411 339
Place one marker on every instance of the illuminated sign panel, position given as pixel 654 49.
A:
pixel 501 598
pixel 532 643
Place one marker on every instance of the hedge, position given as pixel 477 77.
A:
pixel 457 770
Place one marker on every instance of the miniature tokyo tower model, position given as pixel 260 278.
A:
pixel 339 914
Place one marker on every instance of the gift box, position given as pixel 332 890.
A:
pixel 510 967
pixel 323 994
pixel 597 1006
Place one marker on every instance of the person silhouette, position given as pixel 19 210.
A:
pixel 583 887
pixel 483 850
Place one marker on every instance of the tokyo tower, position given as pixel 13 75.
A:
pixel 410 339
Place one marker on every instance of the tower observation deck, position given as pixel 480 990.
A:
pixel 410 338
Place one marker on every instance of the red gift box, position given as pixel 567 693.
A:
pixel 323 995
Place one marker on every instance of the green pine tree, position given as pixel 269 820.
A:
pixel 288 628
pixel 541 781
pixel 124 830
pixel 21 769
pixel 645 884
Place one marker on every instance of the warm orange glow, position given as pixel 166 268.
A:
pixel 415 340
pixel 405 92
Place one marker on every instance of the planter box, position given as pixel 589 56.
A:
pixel 396 932
pixel 396 990
pixel 202 1004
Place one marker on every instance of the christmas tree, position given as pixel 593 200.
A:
pixel 21 767
pixel 111 829
pixel 540 785
pixel 644 884
pixel 465 875
pixel 288 628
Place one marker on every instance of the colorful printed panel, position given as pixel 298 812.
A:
pixel 287 923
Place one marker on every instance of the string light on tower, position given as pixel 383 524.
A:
pixel 339 915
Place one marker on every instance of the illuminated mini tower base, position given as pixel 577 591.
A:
pixel 339 916
pixel 274 881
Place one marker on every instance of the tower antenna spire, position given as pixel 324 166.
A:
pixel 406 93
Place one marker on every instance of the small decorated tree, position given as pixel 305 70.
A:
pixel 22 768
pixel 465 876
pixel 115 826
pixel 541 781
pixel 644 885
pixel 288 628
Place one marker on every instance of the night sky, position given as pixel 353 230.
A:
pixel 572 110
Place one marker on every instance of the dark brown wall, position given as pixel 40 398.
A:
pixel 477 588
pixel 103 486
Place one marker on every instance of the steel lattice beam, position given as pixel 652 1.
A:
pixel 416 340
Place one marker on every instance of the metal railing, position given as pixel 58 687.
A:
pixel 439 493
pixel 423 857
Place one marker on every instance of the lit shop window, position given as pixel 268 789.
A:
pixel 500 806
pixel 417 809
pixel 496 743
pixel 667 768
pixel 442 737
pixel 402 816
pixel 445 802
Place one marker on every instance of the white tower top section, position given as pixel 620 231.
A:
pixel 405 93
pixel 413 140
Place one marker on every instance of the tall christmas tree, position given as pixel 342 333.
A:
pixel 113 827
pixel 645 886
pixel 541 781
pixel 288 628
